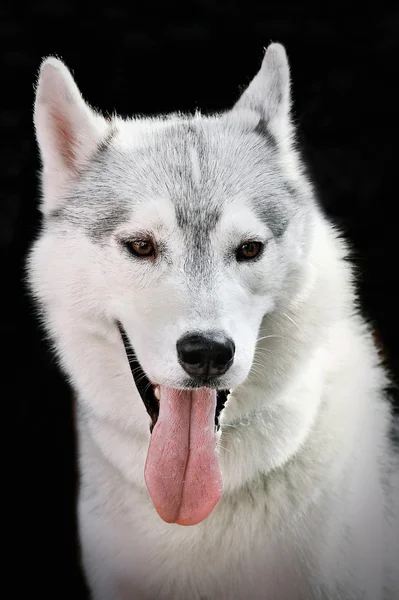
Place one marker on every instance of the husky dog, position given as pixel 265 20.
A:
pixel 195 245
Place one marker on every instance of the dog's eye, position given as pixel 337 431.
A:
pixel 248 251
pixel 141 248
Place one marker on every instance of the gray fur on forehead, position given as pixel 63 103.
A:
pixel 199 164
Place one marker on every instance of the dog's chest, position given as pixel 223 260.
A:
pixel 228 557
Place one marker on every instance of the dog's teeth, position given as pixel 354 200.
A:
pixel 157 392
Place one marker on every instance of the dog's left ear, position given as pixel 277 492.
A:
pixel 268 94
pixel 68 131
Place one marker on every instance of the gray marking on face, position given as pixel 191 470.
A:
pixel 196 167
pixel 105 143
pixel 107 221
pixel 196 206
pixel 275 213
pixel 76 209
pixel 98 226
pixel 229 163
pixel 278 207
pixel 91 205
pixel 262 130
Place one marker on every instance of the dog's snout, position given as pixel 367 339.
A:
pixel 205 355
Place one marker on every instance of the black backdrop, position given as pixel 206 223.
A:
pixel 147 58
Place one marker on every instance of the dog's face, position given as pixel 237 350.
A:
pixel 191 234
pixel 189 228
pixel 185 231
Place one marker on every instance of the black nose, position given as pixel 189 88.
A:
pixel 204 356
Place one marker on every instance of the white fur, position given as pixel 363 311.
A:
pixel 310 481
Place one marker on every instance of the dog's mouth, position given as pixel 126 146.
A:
pixel 144 386
pixel 150 393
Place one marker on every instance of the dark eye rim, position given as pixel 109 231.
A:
pixel 241 258
pixel 128 244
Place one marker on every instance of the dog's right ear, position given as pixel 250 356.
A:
pixel 68 131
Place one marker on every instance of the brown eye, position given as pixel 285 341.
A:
pixel 141 248
pixel 248 251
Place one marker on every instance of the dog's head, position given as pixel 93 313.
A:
pixel 185 231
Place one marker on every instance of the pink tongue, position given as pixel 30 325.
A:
pixel 182 469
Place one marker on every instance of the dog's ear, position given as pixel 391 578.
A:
pixel 68 131
pixel 268 95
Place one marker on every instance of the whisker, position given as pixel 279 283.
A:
pixel 226 449
pixel 290 319
pixel 265 337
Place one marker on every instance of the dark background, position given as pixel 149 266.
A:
pixel 148 58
